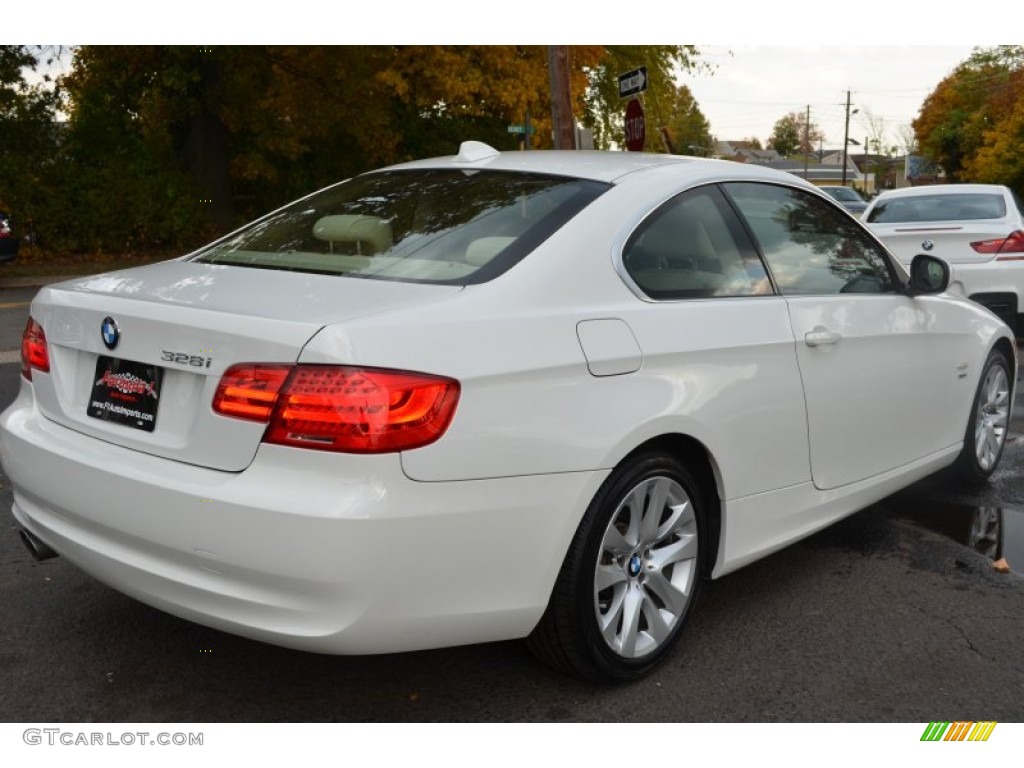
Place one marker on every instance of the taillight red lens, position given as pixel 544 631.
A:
pixel 1009 248
pixel 33 350
pixel 250 391
pixel 340 408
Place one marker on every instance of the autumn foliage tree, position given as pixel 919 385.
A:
pixel 971 124
pixel 189 141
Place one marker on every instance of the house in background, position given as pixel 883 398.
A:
pixel 744 152
pixel 867 173
pixel 823 167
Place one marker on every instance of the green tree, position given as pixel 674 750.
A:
pixel 28 137
pixel 686 129
pixel 603 110
pixel 792 132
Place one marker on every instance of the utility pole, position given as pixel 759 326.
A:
pixel 846 134
pixel 807 139
pixel 867 159
pixel 561 103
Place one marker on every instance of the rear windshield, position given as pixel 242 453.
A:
pixel 452 227
pixel 958 207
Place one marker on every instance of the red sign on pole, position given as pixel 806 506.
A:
pixel 636 130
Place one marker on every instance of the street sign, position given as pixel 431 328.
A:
pixel 636 129
pixel 632 82
pixel 520 128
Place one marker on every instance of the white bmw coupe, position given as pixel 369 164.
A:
pixel 493 396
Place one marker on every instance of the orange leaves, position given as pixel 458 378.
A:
pixel 973 122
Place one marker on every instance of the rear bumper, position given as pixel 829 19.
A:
pixel 318 551
pixel 999 286
pixel 988 277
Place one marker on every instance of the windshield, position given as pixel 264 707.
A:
pixel 939 207
pixel 436 226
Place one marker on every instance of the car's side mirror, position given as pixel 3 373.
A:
pixel 928 274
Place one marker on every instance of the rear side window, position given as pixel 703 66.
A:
pixel 451 227
pixel 955 207
pixel 693 247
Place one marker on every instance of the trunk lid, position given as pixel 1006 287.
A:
pixel 181 325
pixel 950 240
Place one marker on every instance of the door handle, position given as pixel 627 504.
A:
pixel 821 337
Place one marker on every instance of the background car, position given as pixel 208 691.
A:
pixel 846 197
pixel 977 228
pixel 8 240
pixel 535 395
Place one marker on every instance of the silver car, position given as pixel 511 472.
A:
pixel 847 197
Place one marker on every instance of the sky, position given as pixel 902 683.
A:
pixel 752 86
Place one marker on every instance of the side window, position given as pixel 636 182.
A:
pixel 810 247
pixel 693 247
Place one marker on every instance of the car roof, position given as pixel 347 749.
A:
pixel 946 189
pixel 596 165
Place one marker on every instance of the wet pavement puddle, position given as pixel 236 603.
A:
pixel 995 532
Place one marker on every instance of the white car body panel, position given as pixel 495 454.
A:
pixel 565 368
pixel 857 417
pixel 758 525
pixel 972 274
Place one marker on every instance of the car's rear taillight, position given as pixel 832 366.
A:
pixel 250 391
pixel 340 408
pixel 33 350
pixel 1009 248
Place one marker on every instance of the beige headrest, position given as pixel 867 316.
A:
pixel 483 250
pixel 348 228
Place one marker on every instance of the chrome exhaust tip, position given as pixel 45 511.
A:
pixel 36 547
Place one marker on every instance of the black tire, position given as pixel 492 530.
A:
pixel 988 422
pixel 651 576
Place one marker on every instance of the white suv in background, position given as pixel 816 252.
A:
pixel 977 228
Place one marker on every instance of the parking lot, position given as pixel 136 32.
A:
pixel 884 617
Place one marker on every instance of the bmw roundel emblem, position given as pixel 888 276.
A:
pixel 110 332
pixel 927 245
pixel 633 566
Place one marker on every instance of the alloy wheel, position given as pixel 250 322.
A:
pixel 646 567
pixel 992 416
